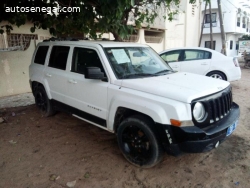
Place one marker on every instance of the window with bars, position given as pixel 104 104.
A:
pixel 16 41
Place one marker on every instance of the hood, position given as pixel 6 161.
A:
pixel 179 86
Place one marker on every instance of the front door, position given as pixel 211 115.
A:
pixel 87 96
pixel 173 59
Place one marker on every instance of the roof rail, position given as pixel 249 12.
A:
pixel 60 39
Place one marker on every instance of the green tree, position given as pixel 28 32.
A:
pixel 245 37
pixel 95 15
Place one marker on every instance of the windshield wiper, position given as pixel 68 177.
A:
pixel 165 70
pixel 138 75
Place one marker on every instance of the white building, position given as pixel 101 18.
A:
pixel 236 14
pixel 182 31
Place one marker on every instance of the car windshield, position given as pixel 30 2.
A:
pixel 136 62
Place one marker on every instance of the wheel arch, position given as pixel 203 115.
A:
pixel 35 84
pixel 214 71
pixel 123 113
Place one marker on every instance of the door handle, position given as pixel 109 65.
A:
pixel 72 81
pixel 203 63
pixel 48 75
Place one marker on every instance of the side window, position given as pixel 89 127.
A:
pixel 84 57
pixel 207 18
pixel 208 44
pixel 58 57
pixel 41 54
pixel 190 55
pixel 231 44
pixel 207 55
pixel 172 56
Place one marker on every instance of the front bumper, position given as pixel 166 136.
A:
pixel 193 139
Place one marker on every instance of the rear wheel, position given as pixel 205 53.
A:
pixel 43 102
pixel 217 75
pixel 138 142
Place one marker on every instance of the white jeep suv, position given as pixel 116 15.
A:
pixel 129 90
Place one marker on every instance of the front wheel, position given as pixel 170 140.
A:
pixel 138 142
pixel 43 102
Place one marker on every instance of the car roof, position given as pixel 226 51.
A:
pixel 215 53
pixel 91 42
pixel 189 48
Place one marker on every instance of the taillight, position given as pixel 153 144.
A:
pixel 236 63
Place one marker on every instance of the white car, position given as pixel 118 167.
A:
pixel 203 61
pixel 129 90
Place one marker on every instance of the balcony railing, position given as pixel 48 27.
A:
pixel 132 38
pixel 153 39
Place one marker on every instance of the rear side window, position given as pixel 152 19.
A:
pixel 58 57
pixel 41 54
pixel 196 55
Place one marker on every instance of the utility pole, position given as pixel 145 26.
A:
pixel 202 26
pixel 223 38
pixel 211 28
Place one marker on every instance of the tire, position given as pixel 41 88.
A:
pixel 138 142
pixel 217 75
pixel 42 102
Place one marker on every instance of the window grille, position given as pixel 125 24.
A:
pixel 132 38
pixel 13 41
pixel 153 39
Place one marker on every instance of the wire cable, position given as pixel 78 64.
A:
pixel 232 4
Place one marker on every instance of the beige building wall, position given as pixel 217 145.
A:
pixel 14 71
pixel 14 65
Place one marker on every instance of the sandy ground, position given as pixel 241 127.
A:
pixel 62 151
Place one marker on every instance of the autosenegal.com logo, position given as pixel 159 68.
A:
pixel 48 10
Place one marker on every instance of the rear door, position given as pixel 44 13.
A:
pixel 54 74
pixel 36 68
pixel 195 61
pixel 173 59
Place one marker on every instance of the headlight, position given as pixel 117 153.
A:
pixel 199 112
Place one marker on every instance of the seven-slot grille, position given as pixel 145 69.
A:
pixel 221 106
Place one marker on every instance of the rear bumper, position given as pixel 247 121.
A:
pixel 193 139
pixel 233 74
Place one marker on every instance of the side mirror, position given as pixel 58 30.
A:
pixel 93 73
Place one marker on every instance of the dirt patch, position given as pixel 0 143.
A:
pixel 62 150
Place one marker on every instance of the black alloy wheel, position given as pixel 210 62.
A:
pixel 42 102
pixel 138 142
